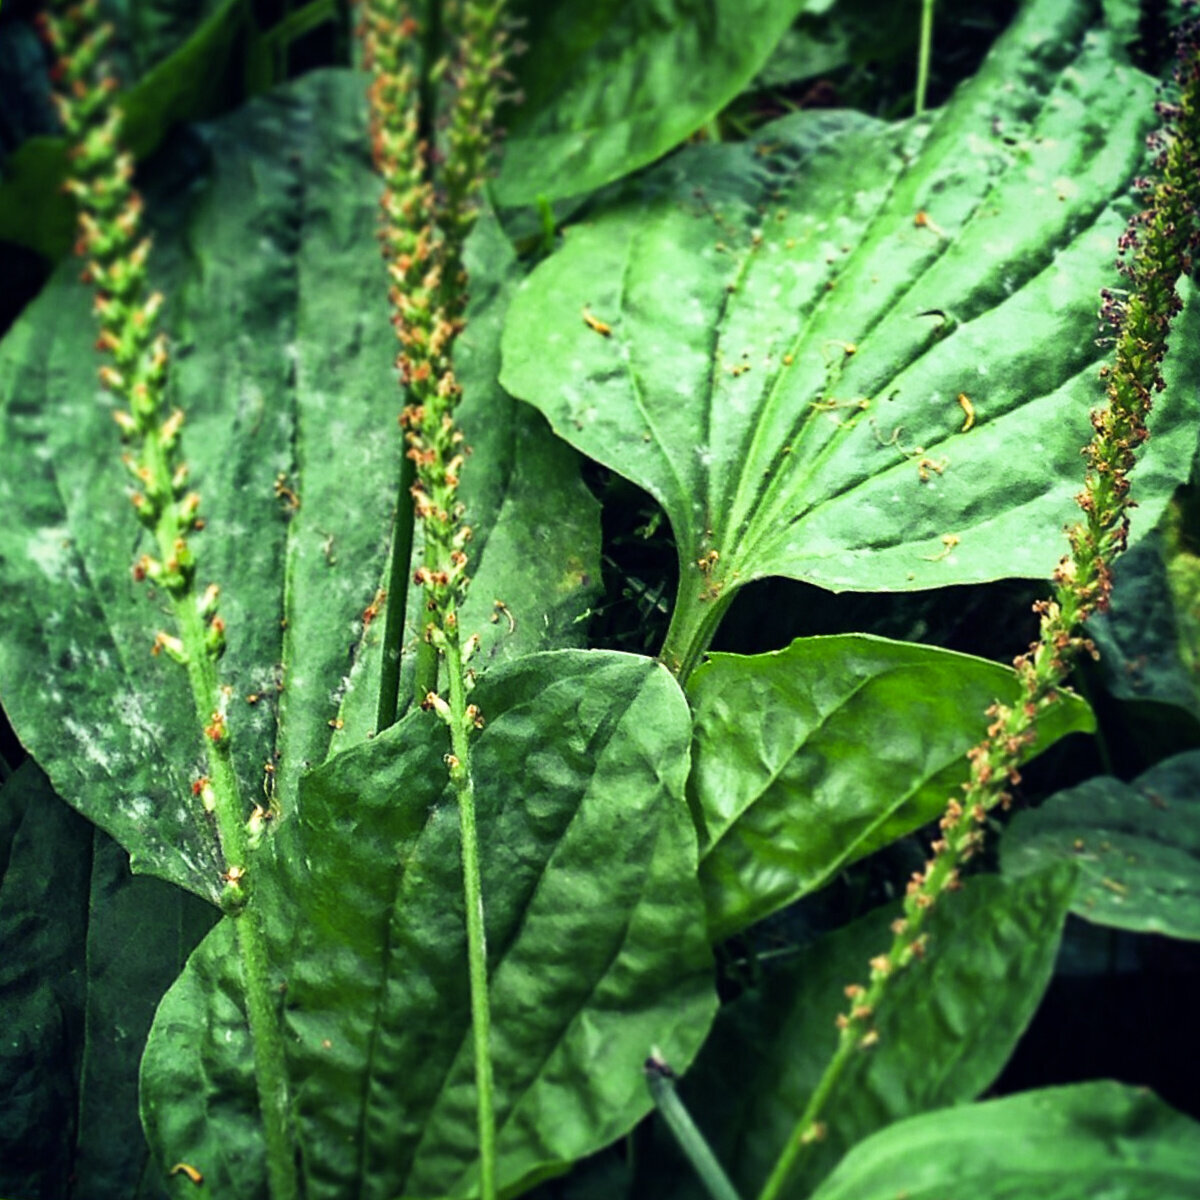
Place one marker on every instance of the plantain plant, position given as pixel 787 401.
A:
pixel 454 885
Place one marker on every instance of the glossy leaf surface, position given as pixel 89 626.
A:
pixel 283 357
pixel 808 759
pixel 1137 847
pixel 990 957
pixel 862 354
pixel 1093 1139
pixel 595 933
pixel 608 87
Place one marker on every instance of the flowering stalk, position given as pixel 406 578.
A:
pixel 426 218
pixel 111 239
pixel 1156 249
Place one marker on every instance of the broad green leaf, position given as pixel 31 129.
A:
pixel 88 953
pixel 610 86
pixel 189 83
pixel 1070 1143
pixel 794 321
pixel 140 932
pixel 595 932
pixel 283 356
pixel 810 758
pixel 948 1027
pixel 1137 847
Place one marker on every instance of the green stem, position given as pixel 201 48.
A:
pixel 694 621
pixel 691 1141
pixel 923 53
pixel 270 1060
pixel 396 611
pixel 804 1132
pixel 464 787
pixel 266 1038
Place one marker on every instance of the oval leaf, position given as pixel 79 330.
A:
pixel 608 87
pixel 595 932
pixel 808 759
pixel 283 365
pixel 855 353
pixel 1093 1139
pixel 1137 847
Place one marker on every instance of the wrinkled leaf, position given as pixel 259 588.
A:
pixel 793 322
pixel 610 86
pixel 808 759
pixel 595 933
pixel 1093 1139
pixel 283 365
pixel 188 84
pixel 949 1025
pixel 1137 847
pixel 88 952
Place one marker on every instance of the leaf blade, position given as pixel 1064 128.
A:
pixel 787 383
pixel 610 86
pixel 1074 1140
pixel 377 1004
pixel 787 789
pixel 1137 847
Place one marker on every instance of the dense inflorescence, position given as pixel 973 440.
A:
pixel 111 240
pixel 427 215
pixel 116 251
pixel 1155 251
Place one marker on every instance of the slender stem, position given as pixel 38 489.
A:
pixel 923 52
pixel 223 793
pixel 270 1057
pixel 396 612
pixel 424 232
pixel 711 1174
pixel 481 1021
pixel 431 45
pixel 806 1131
